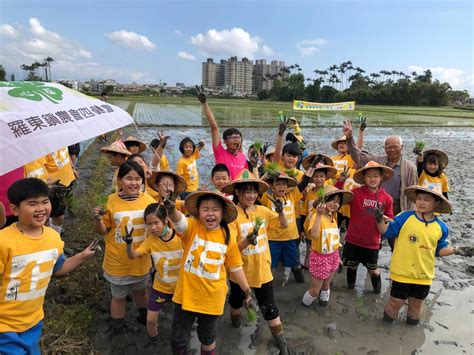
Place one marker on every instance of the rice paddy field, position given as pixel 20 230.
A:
pixel 247 113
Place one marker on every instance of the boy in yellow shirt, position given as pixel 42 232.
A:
pixel 30 253
pixel 187 164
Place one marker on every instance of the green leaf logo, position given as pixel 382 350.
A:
pixel 34 91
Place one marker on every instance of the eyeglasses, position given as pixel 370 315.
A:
pixel 234 137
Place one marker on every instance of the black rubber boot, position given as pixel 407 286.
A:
pixel 281 343
pixel 376 283
pixel 152 342
pixel 141 318
pixel 236 320
pixel 387 318
pixel 351 278
pixel 298 274
pixel 117 325
pixel 411 321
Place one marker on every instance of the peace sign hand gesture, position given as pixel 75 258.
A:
pixel 127 238
pixel 201 94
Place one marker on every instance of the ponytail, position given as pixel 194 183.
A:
pixel 225 227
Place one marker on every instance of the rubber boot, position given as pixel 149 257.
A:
pixel 236 320
pixel 298 274
pixel 351 278
pixel 411 321
pixel 117 325
pixel 152 342
pixel 281 343
pixel 376 283
pixel 386 318
pixel 141 318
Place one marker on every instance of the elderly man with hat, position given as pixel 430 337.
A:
pixel 404 171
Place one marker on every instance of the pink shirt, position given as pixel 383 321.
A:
pixel 235 163
pixel 6 181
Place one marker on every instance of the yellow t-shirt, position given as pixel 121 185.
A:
pixel 188 170
pixel 256 258
pixel 164 163
pixel 26 266
pixel 37 169
pixel 349 184
pixel 440 181
pixel 298 174
pixel 308 209
pixel 120 213
pixel 341 162
pixel 328 238
pixel 291 200
pixel 167 260
pixel 59 167
pixel 202 282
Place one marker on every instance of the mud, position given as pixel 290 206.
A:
pixel 351 324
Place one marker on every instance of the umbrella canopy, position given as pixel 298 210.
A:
pixel 38 118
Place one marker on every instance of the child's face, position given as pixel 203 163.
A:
pixel 248 196
pixel 133 148
pixel 342 147
pixel 154 225
pixel 280 188
pixel 142 163
pixel 165 186
pixel 33 212
pixel 334 204
pixel 220 179
pixel 131 183
pixel 289 160
pixel 210 214
pixel 318 178
pixel 432 167
pixel 425 202
pixel 188 149
pixel 373 178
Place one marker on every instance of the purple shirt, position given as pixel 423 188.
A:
pixel 235 163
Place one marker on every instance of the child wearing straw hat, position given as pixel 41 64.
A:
pixel 187 164
pixel 284 242
pixel 134 145
pixel 167 183
pixel 324 258
pixel 363 240
pixel 420 237
pixel 210 252
pixel 117 154
pixel 251 225
pixel 430 166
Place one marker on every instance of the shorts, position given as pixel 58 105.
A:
pixel 121 291
pixel 403 290
pixel 264 295
pixel 353 255
pixel 27 342
pixel 58 197
pixel 183 322
pixel 321 266
pixel 287 251
pixel 157 300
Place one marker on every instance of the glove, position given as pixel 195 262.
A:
pixel 317 159
pixel 378 213
pixel 98 213
pixel 253 158
pixel 283 125
pixel 265 147
pixel 170 201
pixel 248 298
pixel 163 139
pixel 464 250
pixel 252 238
pixel 278 204
pixel 417 150
pixel 127 238
pixel 363 124
pixel 200 94
pixel 344 174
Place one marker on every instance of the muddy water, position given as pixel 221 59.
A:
pixel 352 322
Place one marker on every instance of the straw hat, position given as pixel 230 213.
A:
pixel 387 173
pixel 442 157
pixel 330 190
pixel 243 177
pixel 179 181
pixel 191 205
pixel 434 189
pixel 270 151
pixel 309 159
pixel 330 170
pixel 116 147
pixel 142 146
pixel 268 178
pixel 335 143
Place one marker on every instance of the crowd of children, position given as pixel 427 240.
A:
pixel 206 246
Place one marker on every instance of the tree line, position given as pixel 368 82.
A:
pixel 344 82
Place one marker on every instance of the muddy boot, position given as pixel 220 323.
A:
pixel 386 318
pixel 298 274
pixel 324 298
pixel 236 320
pixel 411 321
pixel 351 278
pixel 141 318
pixel 152 342
pixel 376 283
pixel 281 343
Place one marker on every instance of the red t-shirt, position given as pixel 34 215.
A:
pixel 6 181
pixel 235 163
pixel 362 227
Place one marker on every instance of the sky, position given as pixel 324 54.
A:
pixel 166 41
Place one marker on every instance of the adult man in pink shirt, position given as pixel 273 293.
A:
pixel 231 156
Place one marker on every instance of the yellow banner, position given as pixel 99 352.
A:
pixel 299 105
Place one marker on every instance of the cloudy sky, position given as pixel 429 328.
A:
pixel 153 41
